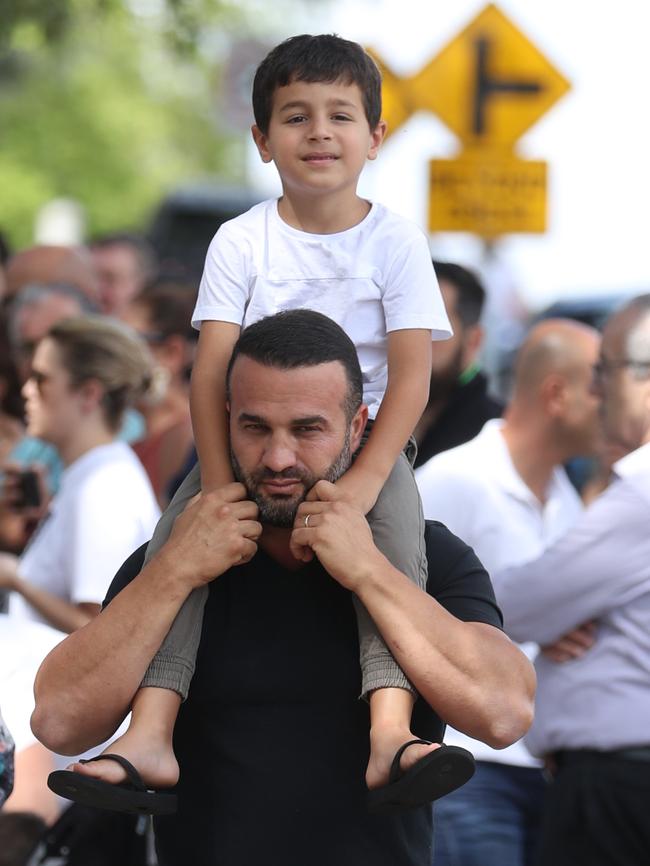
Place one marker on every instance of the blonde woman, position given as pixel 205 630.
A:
pixel 85 373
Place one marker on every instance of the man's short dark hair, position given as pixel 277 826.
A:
pixel 471 294
pixel 301 338
pixel 325 58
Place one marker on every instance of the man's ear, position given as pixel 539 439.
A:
pixel 357 426
pixel 555 395
pixel 261 142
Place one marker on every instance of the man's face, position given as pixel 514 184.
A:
pixel 580 427
pixel 450 357
pixel 120 277
pixel 288 430
pixel 625 405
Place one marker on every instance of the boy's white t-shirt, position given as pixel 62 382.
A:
pixel 371 279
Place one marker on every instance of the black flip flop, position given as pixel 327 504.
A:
pixel 438 773
pixel 130 796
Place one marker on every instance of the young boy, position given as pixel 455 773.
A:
pixel 317 105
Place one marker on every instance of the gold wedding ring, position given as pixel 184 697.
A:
pixel 307 521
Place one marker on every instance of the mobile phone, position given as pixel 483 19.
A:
pixel 29 491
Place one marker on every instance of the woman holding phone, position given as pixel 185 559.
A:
pixel 85 373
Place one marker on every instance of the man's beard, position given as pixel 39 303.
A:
pixel 281 510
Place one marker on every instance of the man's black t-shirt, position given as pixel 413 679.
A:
pixel 273 739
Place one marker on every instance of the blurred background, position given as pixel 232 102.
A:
pixel 134 114
pixel 125 140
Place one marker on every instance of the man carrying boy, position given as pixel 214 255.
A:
pixel 272 740
pixel 320 246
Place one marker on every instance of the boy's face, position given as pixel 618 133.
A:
pixel 318 137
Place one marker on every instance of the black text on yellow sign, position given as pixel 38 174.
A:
pixel 490 197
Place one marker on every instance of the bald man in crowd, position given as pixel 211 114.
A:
pixel 125 262
pixel 49 265
pixel 506 494
pixel 592 714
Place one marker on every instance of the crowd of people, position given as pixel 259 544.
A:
pixel 296 704
pixel 95 434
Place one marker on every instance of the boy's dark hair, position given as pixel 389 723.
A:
pixel 325 58
pixel 301 338
pixel 471 294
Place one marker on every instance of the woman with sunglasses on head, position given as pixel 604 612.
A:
pixel 85 373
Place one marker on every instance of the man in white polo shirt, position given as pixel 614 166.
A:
pixel 592 721
pixel 506 494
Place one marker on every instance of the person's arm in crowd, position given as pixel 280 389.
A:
pixel 572 645
pixel 85 685
pixel 59 613
pixel 599 564
pixel 470 673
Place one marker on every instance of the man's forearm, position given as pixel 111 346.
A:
pixel 85 685
pixel 472 675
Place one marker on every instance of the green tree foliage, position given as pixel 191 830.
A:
pixel 109 102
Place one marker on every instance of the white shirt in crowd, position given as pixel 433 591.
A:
pixel 104 510
pixel 373 278
pixel 475 490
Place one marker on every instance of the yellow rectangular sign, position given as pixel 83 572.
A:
pixel 487 195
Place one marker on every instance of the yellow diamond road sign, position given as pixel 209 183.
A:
pixel 489 84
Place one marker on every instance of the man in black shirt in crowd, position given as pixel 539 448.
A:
pixel 273 741
pixel 459 403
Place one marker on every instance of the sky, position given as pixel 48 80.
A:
pixel 596 139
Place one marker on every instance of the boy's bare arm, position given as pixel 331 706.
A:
pixel 208 402
pixel 409 373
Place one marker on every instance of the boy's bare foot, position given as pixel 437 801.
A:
pixel 384 743
pixel 153 759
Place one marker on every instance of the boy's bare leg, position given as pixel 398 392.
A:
pixel 390 728
pixel 147 744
